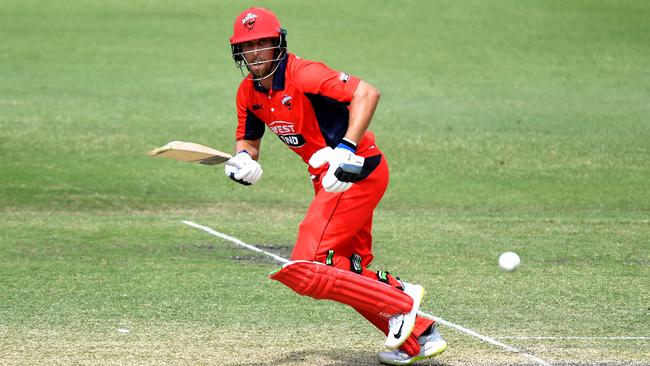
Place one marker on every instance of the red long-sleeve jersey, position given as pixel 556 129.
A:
pixel 307 107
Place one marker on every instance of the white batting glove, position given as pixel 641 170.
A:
pixel 342 162
pixel 248 171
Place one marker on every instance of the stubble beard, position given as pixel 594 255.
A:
pixel 260 70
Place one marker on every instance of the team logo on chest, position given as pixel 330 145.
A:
pixel 287 133
pixel 286 101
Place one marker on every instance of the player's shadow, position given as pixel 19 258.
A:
pixel 332 357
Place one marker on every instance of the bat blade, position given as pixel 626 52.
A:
pixel 192 153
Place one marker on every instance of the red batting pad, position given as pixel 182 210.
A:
pixel 321 281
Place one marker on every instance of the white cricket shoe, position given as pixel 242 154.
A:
pixel 431 345
pixel 400 326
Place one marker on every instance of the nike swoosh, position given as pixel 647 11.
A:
pixel 399 332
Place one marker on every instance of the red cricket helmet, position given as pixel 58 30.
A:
pixel 255 23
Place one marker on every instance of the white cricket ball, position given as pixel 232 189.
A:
pixel 509 261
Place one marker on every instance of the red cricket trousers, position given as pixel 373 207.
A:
pixel 342 222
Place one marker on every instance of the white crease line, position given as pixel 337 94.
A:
pixel 462 329
pixel 620 338
pixel 485 339
pixel 235 240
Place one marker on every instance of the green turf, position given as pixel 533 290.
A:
pixel 510 125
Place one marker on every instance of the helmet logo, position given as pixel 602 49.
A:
pixel 249 21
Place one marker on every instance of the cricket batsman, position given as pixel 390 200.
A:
pixel 323 116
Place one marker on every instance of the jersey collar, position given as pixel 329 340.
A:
pixel 278 77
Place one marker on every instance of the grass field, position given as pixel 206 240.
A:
pixel 508 125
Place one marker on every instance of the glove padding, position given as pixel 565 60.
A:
pixel 343 164
pixel 248 171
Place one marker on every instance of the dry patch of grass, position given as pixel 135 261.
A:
pixel 177 345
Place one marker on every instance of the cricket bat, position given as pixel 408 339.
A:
pixel 192 153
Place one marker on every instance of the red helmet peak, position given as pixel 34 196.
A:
pixel 255 23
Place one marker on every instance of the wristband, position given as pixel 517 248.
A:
pixel 347 144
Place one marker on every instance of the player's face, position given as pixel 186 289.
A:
pixel 258 53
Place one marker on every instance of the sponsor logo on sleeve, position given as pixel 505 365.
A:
pixel 344 77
